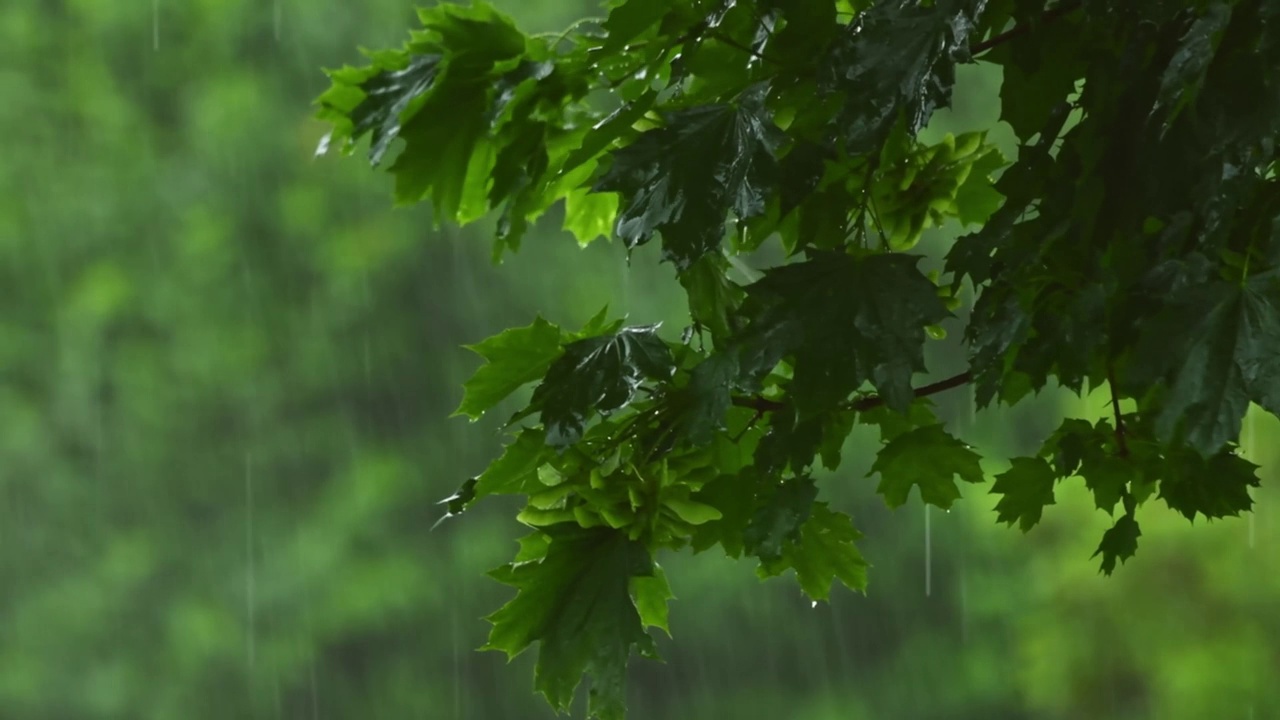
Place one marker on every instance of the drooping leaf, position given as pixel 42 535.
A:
pixel 598 375
pixel 779 517
pixel 1216 343
pixel 823 553
pixel 1026 488
pixel 576 604
pixel 683 178
pixel 516 471
pixel 1119 543
pixel 929 458
pixel 651 593
pixel 845 321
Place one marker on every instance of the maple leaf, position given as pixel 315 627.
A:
pixel 1217 345
pixel 1119 543
pixel 683 178
pixel 576 603
pixel 846 321
pixel 1027 486
pixel 823 552
pixel 598 375
pixel 927 457
pixel 514 357
pixel 898 58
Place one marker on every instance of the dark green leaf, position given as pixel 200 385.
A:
pixel 576 604
pixel 845 321
pixel 598 375
pixel 683 179
pixel 824 552
pixel 1119 543
pixel 927 457
pixel 1027 486
pixel 778 518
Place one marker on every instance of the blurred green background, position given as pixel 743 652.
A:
pixel 226 370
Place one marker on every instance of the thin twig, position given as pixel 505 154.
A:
pixel 1020 30
pixel 1122 447
pixel 763 405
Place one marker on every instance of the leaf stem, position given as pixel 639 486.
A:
pixel 1121 445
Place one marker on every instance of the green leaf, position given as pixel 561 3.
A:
pixel 824 552
pixel 589 215
pixel 1182 79
pixel 576 603
pixel 700 407
pixel 927 457
pixel 1108 478
pixel 898 60
pixel 1216 487
pixel 735 497
pixel 516 471
pixel 713 297
pixel 456 503
pixel 513 358
pixel 1119 543
pixel 1040 69
pixel 447 154
pixel 778 517
pixel 977 199
pixel 1027 486
pixel 632 18
pixel 387 96
pixel 683 178
pixel 845 321
pixel 598 375
pixel 1217 344
pixel 651 593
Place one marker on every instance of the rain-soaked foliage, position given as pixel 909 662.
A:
pixel 1132 244
pixel 227 368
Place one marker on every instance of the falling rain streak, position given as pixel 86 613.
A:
pixel 928 555
pixel 248 557
pixel 155 24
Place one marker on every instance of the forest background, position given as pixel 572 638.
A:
pixel 226 371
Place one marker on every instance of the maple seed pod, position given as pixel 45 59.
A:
pixel 616 518
pixel 967 144
pixel 587 517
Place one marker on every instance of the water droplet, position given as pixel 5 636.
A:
pixel 814 604
pixel 323 147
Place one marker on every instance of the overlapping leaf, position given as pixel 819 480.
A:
pixel 684 178
pixel 845 321
pixel 576 604
pixel 598 375
pixel 1217 344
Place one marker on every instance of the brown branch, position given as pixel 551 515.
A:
pixel 764 405
pixel 1049 16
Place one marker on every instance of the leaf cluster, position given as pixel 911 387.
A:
pixel 1133 244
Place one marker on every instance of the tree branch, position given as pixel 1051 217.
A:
pixel 1018 31
pixel 764 405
